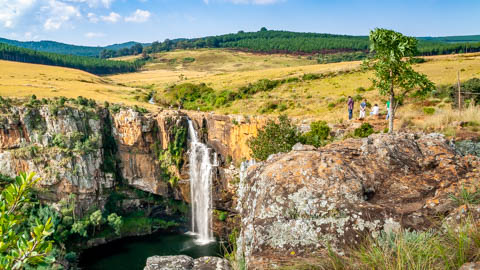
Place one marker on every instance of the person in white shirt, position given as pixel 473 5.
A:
pixel 375 110
pixel 363 107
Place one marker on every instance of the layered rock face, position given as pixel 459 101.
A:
pixel 64 147
pixel 297 203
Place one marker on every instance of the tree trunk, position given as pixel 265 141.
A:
pixel 390 108
pixel 391 113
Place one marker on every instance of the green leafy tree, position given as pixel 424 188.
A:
pixel 392 63
pixel 96 219
pixel 115 222
pixel 274 138
pixel 80 227
pixel 22 243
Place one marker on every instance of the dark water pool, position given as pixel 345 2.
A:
pixel 132 253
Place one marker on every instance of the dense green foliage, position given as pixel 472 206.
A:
pixel 275 137
pixel 92 65
pixel 318 134
pixel 134 50
pixel 344 47
pixel 363 131
pixel 470 91
pixel 62 48
pixel 392 65
pixel 21 242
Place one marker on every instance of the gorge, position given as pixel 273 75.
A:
pixel 170 172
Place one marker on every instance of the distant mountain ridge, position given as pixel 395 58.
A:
pixel 63 48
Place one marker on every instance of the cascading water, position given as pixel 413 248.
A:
pixel 201 169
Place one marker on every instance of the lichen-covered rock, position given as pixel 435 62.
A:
pixel 303 201
pixel 211 263
pixel 470 266
pixel 182 262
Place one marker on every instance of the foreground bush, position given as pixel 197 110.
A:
pixel 22 244
pixel 431 250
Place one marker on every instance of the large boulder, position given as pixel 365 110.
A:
pixel 182 262
pixel 301 202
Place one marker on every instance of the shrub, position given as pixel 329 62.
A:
pixel 357 97
pixel 71 257
pixel 331 105
pixel 360 89
pixel 188 60
pixel 318 134
pixel 310 76
pixel 275 137
pixel 428 110
pixel 363 131
pixel 222 215
pixel 115 222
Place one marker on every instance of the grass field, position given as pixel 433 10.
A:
pixel 223 69
pixel 22 80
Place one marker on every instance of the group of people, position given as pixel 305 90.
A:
pixel 363 107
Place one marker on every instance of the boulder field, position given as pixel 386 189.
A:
pixel 296 204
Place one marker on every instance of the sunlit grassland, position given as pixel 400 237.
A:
pixel 22 80
pixel 229 70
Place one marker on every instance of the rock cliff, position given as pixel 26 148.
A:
pixel 298 203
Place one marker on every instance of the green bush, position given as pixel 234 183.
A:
pixel 188 60
pixel 364 131
pixel 275 137
pixel 331 105
pixel 222 215
pixel 71 257
pixel 318 134
pixel 310 76
pixel 428 110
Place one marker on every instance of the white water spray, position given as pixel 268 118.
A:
pixel 201 169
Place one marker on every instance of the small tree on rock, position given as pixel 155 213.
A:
pixel 392 63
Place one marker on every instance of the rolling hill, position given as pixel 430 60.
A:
pixel 62 48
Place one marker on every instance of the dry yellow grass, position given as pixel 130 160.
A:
pixel 22 79
pixel 223 69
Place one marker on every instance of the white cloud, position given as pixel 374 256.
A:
pixel 94 3
pixel 11 10
pixel 59 13
pixel 94 35
pixel 253 2
pixel 92 17
pixel 139 16
pixel 112 17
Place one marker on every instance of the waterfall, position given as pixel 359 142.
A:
pixel 201 169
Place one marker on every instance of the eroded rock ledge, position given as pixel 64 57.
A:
pixel 299 203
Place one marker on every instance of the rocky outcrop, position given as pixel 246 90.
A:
pixel 298 203
pixel 64 148
pixel 182 262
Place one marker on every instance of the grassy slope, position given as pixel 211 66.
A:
pixel 222 69
pixel 22 79
pixel 229 70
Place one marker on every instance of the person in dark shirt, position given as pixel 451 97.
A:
pixel 350 104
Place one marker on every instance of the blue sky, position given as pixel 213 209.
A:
pixel 101 22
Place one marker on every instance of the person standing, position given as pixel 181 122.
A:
pixel 350 104
pixel 388 111
pixel 375 110
pixel 363 107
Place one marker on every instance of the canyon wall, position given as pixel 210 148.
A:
pixel 88 151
